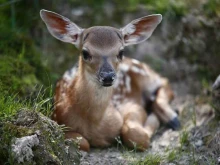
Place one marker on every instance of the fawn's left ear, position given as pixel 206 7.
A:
pixel 61 28
pixel 140 29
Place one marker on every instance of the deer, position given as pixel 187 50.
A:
pixel 108 95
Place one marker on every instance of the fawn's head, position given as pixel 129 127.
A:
pixel 101 47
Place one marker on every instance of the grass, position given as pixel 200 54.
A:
pixel 43 102
pixel 194 117
pixel 10 105
pixel 152 159
pixel 9 108
pixel 119 143
pixel 184 139
pixel 172 155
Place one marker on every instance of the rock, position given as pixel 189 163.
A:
pixel 215 143
pixel 35 139
pixel 204 113
pixel 169 138
pixel 198 143
pixel 22 148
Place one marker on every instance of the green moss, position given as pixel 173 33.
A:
pixel 17 75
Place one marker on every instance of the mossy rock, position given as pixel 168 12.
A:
pixel 22 78
pixel 32 138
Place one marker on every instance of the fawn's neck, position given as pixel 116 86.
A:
pixel 91 97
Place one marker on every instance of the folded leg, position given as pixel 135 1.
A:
pixel 162 108
pixel 137 128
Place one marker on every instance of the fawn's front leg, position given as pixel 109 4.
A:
pixel 137 128
pixel 83 142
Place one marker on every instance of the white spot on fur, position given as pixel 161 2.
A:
pixel 143 72
pixel 135 61
pixel 124 67
pixel 128 83
pixel 116 97
pixel 135 69
pixel 119 80
pixel 153 85
pixel 70 75
pixel 22 148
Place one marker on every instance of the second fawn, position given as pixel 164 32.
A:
pixel 108 95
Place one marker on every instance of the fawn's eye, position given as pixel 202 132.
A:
pixel 120 54
pixel 86 55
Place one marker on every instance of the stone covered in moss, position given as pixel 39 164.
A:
pixel 32 138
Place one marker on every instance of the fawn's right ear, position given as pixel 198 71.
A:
pixel 61 28
pixel 140 29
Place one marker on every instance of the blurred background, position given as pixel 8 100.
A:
pixel 185 47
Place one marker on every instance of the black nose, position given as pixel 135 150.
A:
pixel 107 78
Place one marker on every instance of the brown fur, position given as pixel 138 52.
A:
pixel 91 114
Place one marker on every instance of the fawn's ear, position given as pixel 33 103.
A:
pixel 140 29
pixel 61 28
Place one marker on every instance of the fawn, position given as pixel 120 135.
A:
pixel 108 95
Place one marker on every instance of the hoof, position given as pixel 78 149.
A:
pixel 174 123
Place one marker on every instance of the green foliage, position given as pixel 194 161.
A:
pixel 175 8
pixel 212 7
